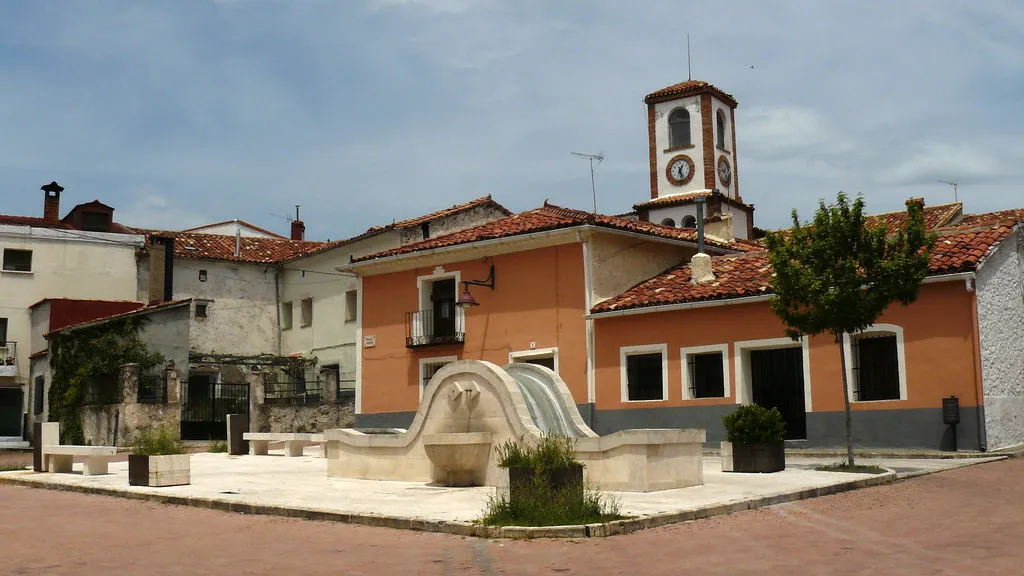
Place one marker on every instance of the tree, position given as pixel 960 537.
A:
pixel 837 275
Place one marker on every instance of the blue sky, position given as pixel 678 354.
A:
pixel 180 113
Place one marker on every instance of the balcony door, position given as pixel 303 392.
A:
pixel 442 297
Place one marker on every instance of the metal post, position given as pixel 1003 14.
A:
pixel 700 224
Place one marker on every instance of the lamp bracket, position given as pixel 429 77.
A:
pixel 489 282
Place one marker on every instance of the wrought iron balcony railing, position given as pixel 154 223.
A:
pixel 435 327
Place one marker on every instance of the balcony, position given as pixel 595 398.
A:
pixel 8 360
pixel 439 327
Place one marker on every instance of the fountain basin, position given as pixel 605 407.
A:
pixel 459 457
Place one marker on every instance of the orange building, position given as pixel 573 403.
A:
pixel 612 304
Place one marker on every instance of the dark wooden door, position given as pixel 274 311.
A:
pixel 777 380
pixel 10 411
pixel 443 298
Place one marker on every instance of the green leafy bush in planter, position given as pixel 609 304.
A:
pixel 546 488
pixel 157 442
pixel 753 424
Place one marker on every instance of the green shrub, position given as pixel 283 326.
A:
pixel 553 452
pixel 157 442
pixel 218 446
pixel 542 505
pixel 753 424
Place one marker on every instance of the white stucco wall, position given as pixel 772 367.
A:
pixel 241 307
pixel 664 154
pixel 677 213
pixel 618 263
pixel 453 223
pixel 730 148
pixel 330 338
pixel 1000 290
pixel 65 264
pixel 230 228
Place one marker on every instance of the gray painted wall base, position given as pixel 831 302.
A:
pixel 917 428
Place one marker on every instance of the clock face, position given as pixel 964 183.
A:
pixel 680 170
pixel 724 171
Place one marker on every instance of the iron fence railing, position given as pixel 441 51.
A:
pixel 152 389
pixel 293 392
pixel 435 327
pixel 346 391
pixel 101 390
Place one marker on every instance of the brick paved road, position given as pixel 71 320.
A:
pixel 968 521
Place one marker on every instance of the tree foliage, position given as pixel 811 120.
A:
pixel 837 275
pixel 92 355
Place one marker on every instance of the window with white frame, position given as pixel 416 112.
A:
pixel 286 316
pixel 644 373
pixel 705 371
pixel 431 366
pixel 351 304
pixel 876 364
pixel 307 312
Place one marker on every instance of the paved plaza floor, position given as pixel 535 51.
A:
pixel 966 521
pixel 301 484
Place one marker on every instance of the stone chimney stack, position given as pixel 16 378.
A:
pixel 700 269
pixel 51 203
pixel 298 227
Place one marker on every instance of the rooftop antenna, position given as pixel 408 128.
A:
pixel 296 212
pixel 592 157
pixel 689 76
pixel 954 184
pixel 284 217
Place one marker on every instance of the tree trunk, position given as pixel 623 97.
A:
pixel 846 401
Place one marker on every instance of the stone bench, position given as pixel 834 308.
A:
pixel 293 441
pixel 59 458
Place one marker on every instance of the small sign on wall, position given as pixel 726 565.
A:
pixel 369 341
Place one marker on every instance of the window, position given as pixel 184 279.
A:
pixel 200 311
pixel 286 316
pixel 425 228
pixel 644 373
pixel 17 260
pixel 721 129
pixel 431 366
pixel 668 222
pixel 351 303
pixel 705 371
pixel 37 398
pixel 689 221
pixel 96 222
pixel 3 332
pixel 547 357
pixel 678 128
pixel 307 312
pixel 876 363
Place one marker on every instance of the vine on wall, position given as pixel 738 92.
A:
pixel 92 357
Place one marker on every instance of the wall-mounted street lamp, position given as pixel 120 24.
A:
pixel 466 299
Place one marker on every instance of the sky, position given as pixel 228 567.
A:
pixel 368 111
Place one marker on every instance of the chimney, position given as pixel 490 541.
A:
pixel 161 269
pixel 700 269
pixel 298 227
pixel 51 203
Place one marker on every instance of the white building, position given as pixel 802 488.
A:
pixel 83 255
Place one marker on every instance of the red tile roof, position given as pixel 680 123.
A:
pixel 549 217
pixel 934 216
pixel 254 249
pixel 685 89
pixel 476 203
pixel 675 199
pixel 989 218
pixel 743 275
pixel 10 220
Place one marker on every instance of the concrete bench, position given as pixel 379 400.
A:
pixel 293 441
pixel 59 458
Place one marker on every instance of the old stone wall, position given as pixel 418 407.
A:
pixel 1000 289
pixel 304 418
pixel 98 421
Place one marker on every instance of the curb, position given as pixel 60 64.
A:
pixel 469 528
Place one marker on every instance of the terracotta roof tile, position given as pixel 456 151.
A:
pixel 675 199
pixel 686 88
pixel 742 275
pixel 141 310
pixel 934 216
pixel 482 201
pixel 990 218
pixel 254 249
pixel 10 220
pixel 242 222
pixel 550 217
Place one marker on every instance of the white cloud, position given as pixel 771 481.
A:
pixel 939 161
pixel 439 6
pixel 151 209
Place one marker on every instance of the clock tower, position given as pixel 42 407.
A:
pixel 692 146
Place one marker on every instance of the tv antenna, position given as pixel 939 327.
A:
pixel 592 157
pixel 689 76
pixel 954 184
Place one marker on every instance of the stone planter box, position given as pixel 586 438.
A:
pixel 559 479
pixel 762 457
pixel 172 470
